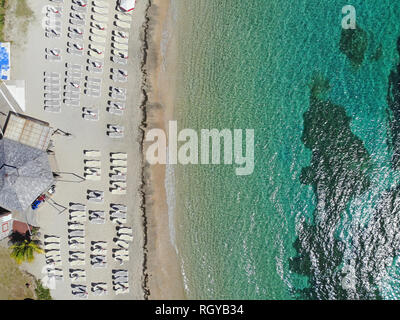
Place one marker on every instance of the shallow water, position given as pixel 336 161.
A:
pixel 249 64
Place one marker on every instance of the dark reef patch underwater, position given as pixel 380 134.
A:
pixel 340 170
pixel 354 44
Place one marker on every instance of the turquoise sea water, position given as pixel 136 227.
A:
pixel 249 64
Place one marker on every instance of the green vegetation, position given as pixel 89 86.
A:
pixel 24 247
pixel 354 43
pixel 42 293
pixel 3 8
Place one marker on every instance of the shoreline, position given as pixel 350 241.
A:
pixel 142 130
pixel 164 269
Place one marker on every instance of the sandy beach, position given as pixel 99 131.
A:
pixel 29 64
pixel 165 277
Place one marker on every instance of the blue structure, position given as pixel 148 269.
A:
pixel 4 61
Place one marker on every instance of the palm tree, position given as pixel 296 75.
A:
pixel 24 246
pixel 25 251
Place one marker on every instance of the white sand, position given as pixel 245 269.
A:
pixel 28 56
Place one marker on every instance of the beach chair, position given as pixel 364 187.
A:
pixel 52 96
pixel 51 246
pixel 75 226
pixel 120 40
pixel 119 169
pixel 98 32
pixel 92 153
pixel 79 8
pixel 71 95
pixel 74 66
pixel 119 273
pixel 121 47
pixel 100 3
pixel 77 207
pixel 119 60
pixel 123 17
pixel 122 25
pixel 120 34
pixel 77 22
pixel 120 280
pixel 77 15
pixel 100 11
pixel 72 102
pixel 125 237
pixel 119 155
pixel 118 177
pixel 122 244
pixel 76 233
pixel 99 18
pixel 53 103
pixel 124 230
pixel 97 39
pixel 115 111
pixel 119 207
pixel 51 74
pixel 92 177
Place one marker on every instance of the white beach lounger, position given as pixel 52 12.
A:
pixel 99 18
pixel 119 155
pixel 52 246
pixel 98 25
pixel 120 34
pixel 74 66
pixel 98 32
pixel 100 3
pixel 52 254
pixel 122 25
pixel 77 207
pixel 77 22
pixel 118 177
pixel 121 291
pixel 122 244
pixel 125 237
pixel 99 252
pixel 120 221
pixel 118 191
pixel 77 263
pixel 76 226
pixel 120 46
pixel 92 163
pixel 124 17
pixel 119 273
pixel 119 60
pixel 120 54
pixel 120 40
pixel 119 169
pixel 100 11
pixel 97 39
pixel 78 8
pixel 116 184
pixel 77 15
pixel 115 111
pixel 119 252
pixel 92 153
pixel 120 280
pixel 124 230
pixel 119 207
pixel 92 177
pixel 76 233
pixel 51 238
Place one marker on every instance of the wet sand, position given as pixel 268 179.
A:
pixel 165 278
